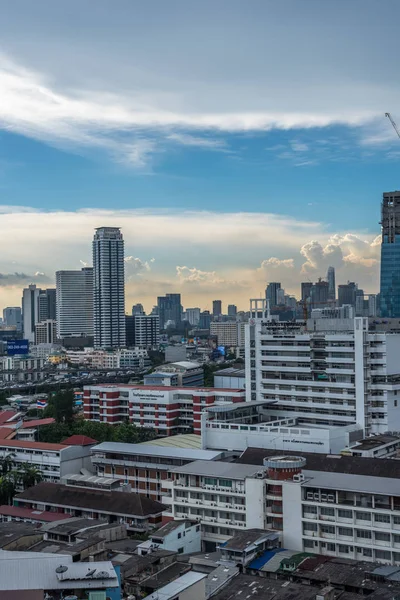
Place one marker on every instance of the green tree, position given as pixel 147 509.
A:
pixel 7 490
pixel 61 406
pixel 30 476
pixel 6 464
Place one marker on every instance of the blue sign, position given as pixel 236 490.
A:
pixel 17 347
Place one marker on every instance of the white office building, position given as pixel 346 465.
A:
pixel 108 288
pixel 325 372
pixel 74 291
pixel 193 315
pixel 146 330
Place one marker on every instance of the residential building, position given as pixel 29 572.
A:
pixel 247 545
pixel 52 460
pixel 224 497
pixel 170 310
pixel 390 255
pixel 232 310
pixel 319 294
pixel 326 372
pixel 30 311
pixel 190 586
pixel 136 359
pixel 331 284
pixel 175 353
pixel 231 378
pixel 47 305
pixel 74 293
pixel 108 288
pixel 146 330
pixel 168 410
pixel 183 537
pixel 347 293
pixel 12 317
pixel 190 374
pixel 145 467
pixel 205 320
pixel 216 308
pixel 46 332
pixel 226 333
pixel 271 293
pixel 137 512
pixel 336 506
pixel 193 316
pixel 129 331
pixel 137 309
pixel 306 290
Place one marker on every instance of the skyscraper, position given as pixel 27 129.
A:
pixel 271 293
pixel 232 310
pixel 217 308
pixel 331 283
pixel 390 255
pixel 319 294
pixel 305 290
pixel 169 309
pixel 30 311
pixel 108 288
pixel 347 293
pixel 74 291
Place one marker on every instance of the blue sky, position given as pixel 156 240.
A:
pixel 234 143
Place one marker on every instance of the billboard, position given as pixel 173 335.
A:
pixel 17 347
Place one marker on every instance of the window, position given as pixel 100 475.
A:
pixel 382 537
pixel 197 527
pixel 345 531
pixel 327 512
pixel 362 516
pixel 210 481
pixel 364 534
pixel 380 518
pixel 331 547
pixel 308 544
pixel 345 514
pixel 179 536
pixel 180 550
pixel 328 529
pixel 383 554
pixel 344 549
pixel 225 482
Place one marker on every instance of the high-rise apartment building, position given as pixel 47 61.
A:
pixel 232 310
pixel 12 317
pixel 193 315
pixel 30 312
pixel 216 308
pixel 271 293
pixel 169 310
pixel 74 292
pixel 226 333
pixel 205 320
pixel 331 283
pixel 306 290
pixel 328 372
pixel 319 294
pixel 347 293
pixel 390 255
pixel 108 288
pixel 46 332
pixel 146 330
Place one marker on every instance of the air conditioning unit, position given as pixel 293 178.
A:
pixel 331 498
pixel 324 497
pixel 310 496
pixel 316 496
pixel 299 477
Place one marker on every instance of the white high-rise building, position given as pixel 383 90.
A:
pixel 108 288
pixel 30 311
pixel 326 372
pixel 193 315
pixel 146 330
pixel 74 302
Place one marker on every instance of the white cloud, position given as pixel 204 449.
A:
pixel 277 263
pixel 136 266
pixel 193 275
pixel 202 142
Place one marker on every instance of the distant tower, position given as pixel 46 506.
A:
pixel 390 255
pixel 271 293
pixel 108 288
pixel 331 283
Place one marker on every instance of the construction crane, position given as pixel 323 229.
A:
pixel 389 116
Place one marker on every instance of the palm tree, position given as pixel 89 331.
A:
pixel 7 490
pixel 30 476
pixel 6 464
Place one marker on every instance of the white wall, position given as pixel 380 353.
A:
pixel 231 383
pixel 255 503
pixel 292 521
pixel 190 539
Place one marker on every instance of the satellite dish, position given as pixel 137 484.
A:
pixel 103 575
pixel 90 573
pixel 62 569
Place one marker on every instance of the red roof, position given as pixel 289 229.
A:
pixel 6 432
pixel 7 415
pixel 37 423
pixel 28 513
pixel 79 440
pixel 32 445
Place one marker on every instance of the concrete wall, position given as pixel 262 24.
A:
pixel 292 522
pixel 255 503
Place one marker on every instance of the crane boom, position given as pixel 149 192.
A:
pixel 389 116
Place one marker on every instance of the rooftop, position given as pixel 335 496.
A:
pixel 79 440
pixel 158 450
pixel 27 513
pixel 230 372
pixel 218 469
pixel 173 589
pixel 74 524
pixel 121 503
pixel 232 406
pixel 12 531
pixel 32 445
pixel 330 463
pixel 351 482
pixel 185 440
pixel 243 539
pixel 375 441
pixel 185 364
pixel 7 416
pixel 37 423
pixel 171 526
pixel 259 588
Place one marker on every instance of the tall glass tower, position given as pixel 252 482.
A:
pixel 390 255
pixel 108 288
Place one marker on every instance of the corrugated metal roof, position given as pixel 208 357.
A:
pixel 184 440
pixel 156 450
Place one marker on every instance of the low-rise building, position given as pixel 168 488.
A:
pixel 376 446
pixel 231 378
pixel 190 374
pixel 52 460
pixel 137 512
pixel 145 467
pixel 168 410
pixel 191 586
pixel 245 546
pixel 183 537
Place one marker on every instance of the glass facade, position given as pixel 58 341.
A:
pixel 390 278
